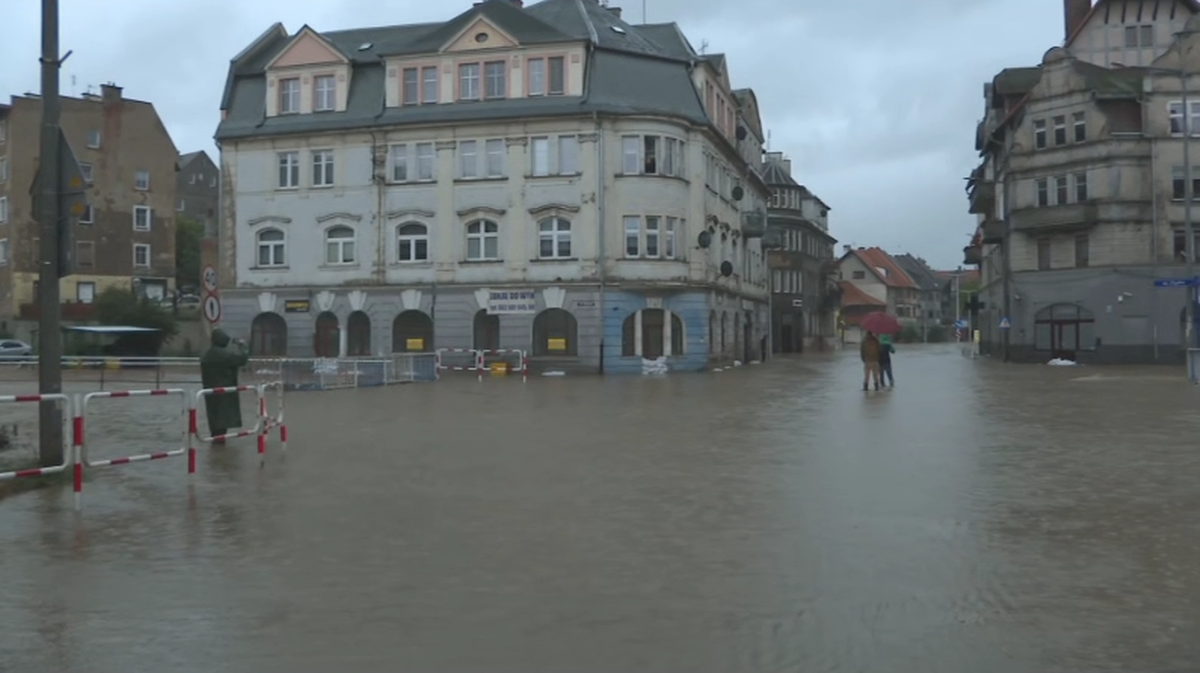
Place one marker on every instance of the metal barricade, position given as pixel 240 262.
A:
pixel 66 449
pixel 475 366
pixel 194 421
pixel 517 360
pixel 83 457
pixel 273 420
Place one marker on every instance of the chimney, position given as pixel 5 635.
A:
pixel 787 166
pixel 110 93
pixel 1075 12
pixel 616 11
pixel 846 248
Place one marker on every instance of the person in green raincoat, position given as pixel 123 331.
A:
pixel 219 369
pixel 886 348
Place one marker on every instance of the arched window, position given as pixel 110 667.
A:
pixel 325 339
pixel 712 324
pixel 358 337
pixel 412 332
pixel 1064 330
pixel 268 335
pixel 648 333
pixel 554 238
pixel 412 242
pixel 555 332
pixel 339 245
pixel 483 241
pixel 271 248
pixel 487 330
pixel 724 331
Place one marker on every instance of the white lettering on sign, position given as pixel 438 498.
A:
pixel 512 302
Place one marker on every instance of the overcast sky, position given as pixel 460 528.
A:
pixel 875 101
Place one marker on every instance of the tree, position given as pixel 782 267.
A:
pixel 188 233
pixel 116 306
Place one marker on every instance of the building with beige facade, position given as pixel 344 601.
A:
pixel 547 178
pixel 1080 192
pixel 126 236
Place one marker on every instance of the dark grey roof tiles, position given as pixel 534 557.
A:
pixel 523 26
pixel 776 175
pixel 669 39
pixel 919 271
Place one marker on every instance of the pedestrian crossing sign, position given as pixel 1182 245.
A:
pixel 1005 324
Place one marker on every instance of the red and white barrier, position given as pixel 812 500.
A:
pixel 519 357
pixel 66 449
pixel 194 425
pixel 475 366
pixel 274 419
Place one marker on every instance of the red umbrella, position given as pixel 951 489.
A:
pixel 880 323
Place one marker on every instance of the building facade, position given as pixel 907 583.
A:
pixel 126 236
pixel 800 257
pixel 929 316
pixel 546 178
pixel 872 280
pixel 197 185
pixel 1080 193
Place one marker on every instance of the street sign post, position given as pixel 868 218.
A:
pixel 1177 282
pixel 72 203
pixel 210 278
pixel 1005 324
pixel 212 308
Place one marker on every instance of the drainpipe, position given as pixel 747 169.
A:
pixel 1153 233
pixel 601 253
pixel 380 271
pixel 1006 252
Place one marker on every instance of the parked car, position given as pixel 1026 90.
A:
pixel 11 348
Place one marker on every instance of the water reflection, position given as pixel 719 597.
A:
pixel 772 518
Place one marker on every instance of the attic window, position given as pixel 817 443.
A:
pixel 481 37
pixel 364 46
pixel 618 29
pixel 882 271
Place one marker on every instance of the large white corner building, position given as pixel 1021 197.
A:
pixel 546 178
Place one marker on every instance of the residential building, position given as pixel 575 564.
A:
pixel 929 292
pixel 1080 193
pixel 871 280
pixel 126 236
pixel 803 291
pixel 547 178
pixel 198 189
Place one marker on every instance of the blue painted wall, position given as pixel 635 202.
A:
pixel 691 307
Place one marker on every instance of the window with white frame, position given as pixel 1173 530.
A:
pixel 324 93
pixel 1040 138
pixel 141 180
pixel 289 96
pixel 554 156
pixel 652 240
pixel 413 162
pixel 426 161
pixel 399 162
pixel 410 86
pixel 568 155
pixel 539 154
pixel 93 139
pixel 85 292
pixel 322 165
pixel 4 252
pixel 651 236
pixel 671 230
pixel 495 80
pixel 339 245
pixel 271 248
pixel 1175 114
pixel 1079 124
pixel 141 255
pixel 468 159
pixel 289 169
pixel 633 236
pixel 142 217
pixel 412 242
pixel 1060 129
pixel 483 241
pixel 554 238
pixel 468 81
pixel 429 85
pixel 547 76
pixel 494 165
pixel 88 216
pixel 86 171
pixel 3 169
pixel 652 155
pixel 181 206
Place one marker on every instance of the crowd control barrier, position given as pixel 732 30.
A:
pixel 67 458
pixel 83 458
pixel 273 419
pixel 460 354
pixel 516 359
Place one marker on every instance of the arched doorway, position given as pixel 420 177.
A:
pixel 712 322
pixel 555 332
pixel 724 331
pixel 412 332
pixel 645 333
pixel 325 338
pixel 487 331
pixel 358 334
pixel 1063 330
pixel 268 335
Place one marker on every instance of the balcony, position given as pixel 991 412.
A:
pixel 992 232
pixel 1056 219
pixel 983 197
pixel 973 255
pixel 754 224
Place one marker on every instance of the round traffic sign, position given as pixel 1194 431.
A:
pixel 210 278
pixel 212 308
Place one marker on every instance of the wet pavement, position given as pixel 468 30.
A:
pixel 770 518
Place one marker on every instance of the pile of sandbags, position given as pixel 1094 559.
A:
pixel 657 367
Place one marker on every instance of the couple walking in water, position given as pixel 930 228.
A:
pixel 877 360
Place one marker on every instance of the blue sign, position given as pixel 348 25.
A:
pixel 961 324
pixel 1177 282
pixel 1005 324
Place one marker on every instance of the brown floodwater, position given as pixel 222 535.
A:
pixel 980 517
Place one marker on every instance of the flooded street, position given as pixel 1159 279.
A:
pixel 772 518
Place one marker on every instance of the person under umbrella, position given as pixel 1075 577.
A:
pixel 886 348
pixel 869 351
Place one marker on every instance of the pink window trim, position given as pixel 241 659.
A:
pixel 420 67
pixel 317 76
pixel 458 79
pixel 546 58
pixel 279 94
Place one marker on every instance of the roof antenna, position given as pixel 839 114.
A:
pixel 768 140
pixel 73 86
pixel 703 46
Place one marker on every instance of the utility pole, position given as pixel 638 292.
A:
pixel 1188 195
pixel 50 425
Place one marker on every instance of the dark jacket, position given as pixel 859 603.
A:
pixel 869 349
pixel 886 348
pixel 219 369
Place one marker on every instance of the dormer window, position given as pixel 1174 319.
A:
pixel 468 81
pixel 289 96
pixel 547 76
pixel 494 74
pixel 325 93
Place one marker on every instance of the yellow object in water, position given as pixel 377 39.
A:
pixel 112 363
pixel 499 368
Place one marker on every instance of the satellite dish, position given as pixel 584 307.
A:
pixel 726 268
pixel 738 193
pixel 705 239
pixel 741 132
